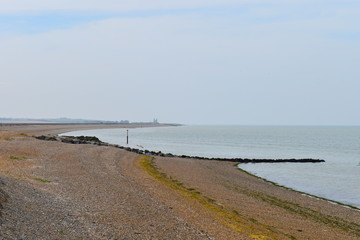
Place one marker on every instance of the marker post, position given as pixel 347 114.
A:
pixel 127 136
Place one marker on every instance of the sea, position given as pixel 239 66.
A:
pixel 337 179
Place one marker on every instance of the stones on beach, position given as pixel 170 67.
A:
pixel 73 140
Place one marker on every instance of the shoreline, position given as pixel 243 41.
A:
pixel 301 192
pixel 95 140
pixel 329 195
pixel 237 161
pixel 255 203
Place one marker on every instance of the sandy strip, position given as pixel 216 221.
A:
pixel 61 191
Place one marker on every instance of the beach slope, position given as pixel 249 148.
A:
pixel 54 190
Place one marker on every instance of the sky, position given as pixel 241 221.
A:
pixel 259 62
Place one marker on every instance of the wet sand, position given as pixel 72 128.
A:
pixel 53 190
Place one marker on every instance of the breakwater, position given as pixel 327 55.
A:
pixel 96 141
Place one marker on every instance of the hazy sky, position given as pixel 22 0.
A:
pixel 188 61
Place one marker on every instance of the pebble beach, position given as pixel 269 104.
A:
pixel 55 190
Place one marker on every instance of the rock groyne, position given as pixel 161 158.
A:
pixel 96 141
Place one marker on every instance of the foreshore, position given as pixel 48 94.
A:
pixel 55 190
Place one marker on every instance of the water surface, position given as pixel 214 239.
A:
pixel 337 179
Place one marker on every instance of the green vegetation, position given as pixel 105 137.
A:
pixel 229 217
pixel 17 158
pixel 23 134
pixel 42 180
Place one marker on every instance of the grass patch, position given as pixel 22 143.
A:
pixel 42 180
pixel 17 158
pixel 23 134
pixel 228 217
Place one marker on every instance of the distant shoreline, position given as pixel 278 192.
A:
pixel 100 124
pixel 57 128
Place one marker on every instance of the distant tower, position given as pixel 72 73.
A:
pixel 155 121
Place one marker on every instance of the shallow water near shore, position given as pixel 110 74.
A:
pixel 336 179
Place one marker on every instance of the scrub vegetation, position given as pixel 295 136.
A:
pixel 17 158
pixel 42 180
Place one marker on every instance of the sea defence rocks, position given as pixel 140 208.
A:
pixel 72 140
pixel 96 141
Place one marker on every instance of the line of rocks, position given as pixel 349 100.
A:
pixel 96 141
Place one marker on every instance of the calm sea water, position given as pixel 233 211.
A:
pixel 337 179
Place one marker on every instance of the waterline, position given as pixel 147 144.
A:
pixel 336 179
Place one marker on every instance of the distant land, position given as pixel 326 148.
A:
pixel 65 120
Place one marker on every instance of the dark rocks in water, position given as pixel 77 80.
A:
pixel 87 138
pixel 96 141
pixel 307 160
pixel 73 140
pixel 47 138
